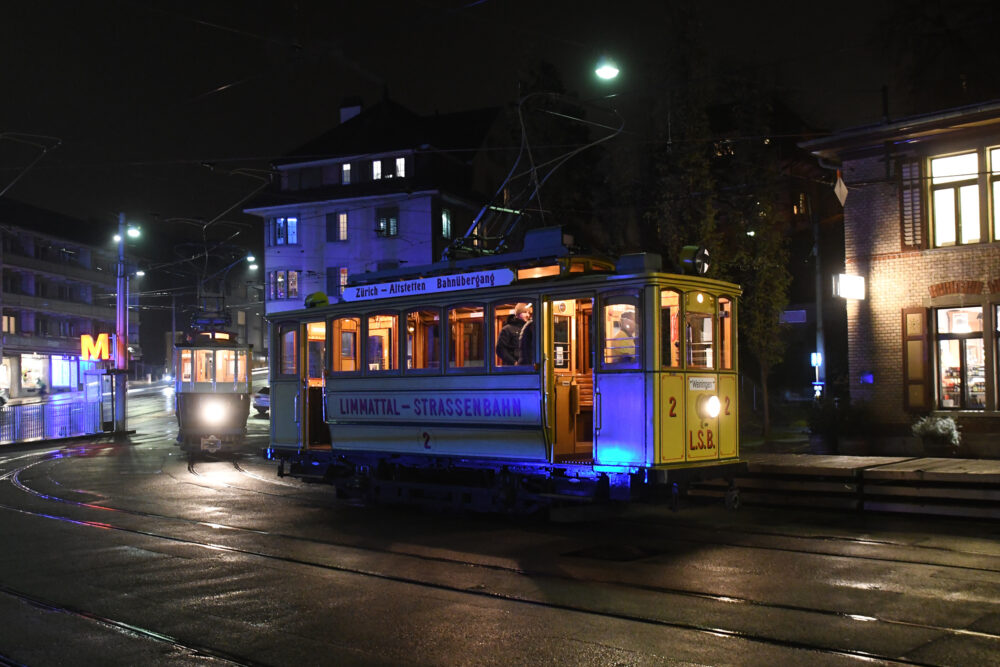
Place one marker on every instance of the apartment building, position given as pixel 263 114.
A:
pixel 384 188
pixel 54 290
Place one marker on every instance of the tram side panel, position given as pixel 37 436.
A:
pixel 473 418
pixel 622 419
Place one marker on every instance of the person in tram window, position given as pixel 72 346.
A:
pixel 526 339
pixel 622 347
pixel 507 341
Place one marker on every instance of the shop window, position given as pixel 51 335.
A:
pixel 670 327
pixel 344 344
pixel 621 330
pixel 699 326
pixel 961 377
pixel 382 339
pixel 467 340
pixel 423 340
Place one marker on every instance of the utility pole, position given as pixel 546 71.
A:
pixel 120 377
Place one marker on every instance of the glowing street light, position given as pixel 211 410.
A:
pixel 606 69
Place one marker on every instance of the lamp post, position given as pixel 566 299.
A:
pixel 121 330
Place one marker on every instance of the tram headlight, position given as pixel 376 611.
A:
pixel 709 407
pixel 213 411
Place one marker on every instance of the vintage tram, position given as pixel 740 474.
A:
pixel 212 388
pixel 624 384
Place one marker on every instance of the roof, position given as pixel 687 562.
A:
pixel 969 117
pixel 388 126
pixel 49 223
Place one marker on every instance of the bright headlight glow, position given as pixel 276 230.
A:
pixel 709 407
pixel 213 412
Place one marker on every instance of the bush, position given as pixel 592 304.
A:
pixel 938 430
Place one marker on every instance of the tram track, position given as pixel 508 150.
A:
pixel 499 594
pixel 125 629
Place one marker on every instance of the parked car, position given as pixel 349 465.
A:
pixel 262 400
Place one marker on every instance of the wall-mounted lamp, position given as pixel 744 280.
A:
pixel 849 287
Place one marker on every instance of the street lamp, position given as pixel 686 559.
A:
pixel 121 327
pixel 606 69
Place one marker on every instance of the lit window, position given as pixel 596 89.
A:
pixel 381 350
pixel 961 358
pixel 280 283
pixel 284 231
pixel 400 167
pixel 995 189
pixel 342 226
pixel 344 344
pixel 423 340
pixel 446 223
pixel 621 332
pixel 955 199
pixel 343 279
pixel 670 329
pixel 387 221
pixel 9 324
pixel 467 341
pixel 293 284
pixel 345 174
pixel 376 169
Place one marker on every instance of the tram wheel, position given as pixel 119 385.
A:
pixel 732 499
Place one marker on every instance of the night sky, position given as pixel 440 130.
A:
pixel 141 95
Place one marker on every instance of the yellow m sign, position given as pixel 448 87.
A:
pixel 95 350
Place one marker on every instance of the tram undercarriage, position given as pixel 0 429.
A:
pixel 493 485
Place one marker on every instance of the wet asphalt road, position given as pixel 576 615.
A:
pixel 128 553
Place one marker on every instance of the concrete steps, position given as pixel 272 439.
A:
pixel 951 487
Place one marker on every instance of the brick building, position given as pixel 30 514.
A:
pixel 922 227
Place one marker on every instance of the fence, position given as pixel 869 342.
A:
pixel 44 421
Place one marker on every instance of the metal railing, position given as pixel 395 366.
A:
pixel 44 421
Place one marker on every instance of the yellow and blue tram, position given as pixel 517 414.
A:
pixel 623 381
pixel 212 388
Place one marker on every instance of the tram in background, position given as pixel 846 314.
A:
pixel 212 389
pixel 625 384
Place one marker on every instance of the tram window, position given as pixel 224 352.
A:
pixel 382 332
pixel 423 340
pixel 467 342
pixel 622 327
pixel 725 334
pixel 315 352
pixel 508 320
pixel 344 355
pixel 699 322
pixel 225 365
pixel 204 365
pixel 185 361
pixel 670 328
pixel 287 347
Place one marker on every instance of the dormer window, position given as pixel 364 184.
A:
pixel 401 167
pixel 376 170
pixel 345 174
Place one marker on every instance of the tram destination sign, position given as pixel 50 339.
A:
pixel 416 286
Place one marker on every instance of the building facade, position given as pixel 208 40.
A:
pixel 54 291
pixel 922 228
pixel 384 188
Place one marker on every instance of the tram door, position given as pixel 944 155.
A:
pixel 569 352
pixel 297 384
